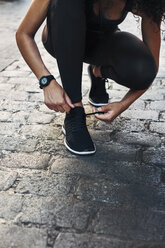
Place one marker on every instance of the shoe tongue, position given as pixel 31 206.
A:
pixel 77 110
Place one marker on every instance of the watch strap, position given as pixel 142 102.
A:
pixel 45 81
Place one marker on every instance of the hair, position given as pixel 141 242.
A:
pixel 155 9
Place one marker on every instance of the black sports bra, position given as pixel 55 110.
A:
pixel 99 22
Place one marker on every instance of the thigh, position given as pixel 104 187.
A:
pixel 47 42
pixel 118 49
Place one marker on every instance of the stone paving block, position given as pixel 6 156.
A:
pixel 6 143
pixel 138 104
pixel 143 139
pixel 30 87
pixel 20 117
pixel 116 152
pixel 155 156
pixel 13 66
pixel 61 212
pixel 75 215
pixel 122 172
pixel 25 145
pixel 5 87
pixel 17 96
pixel 2 80
pixel 158 127
pixel 4 63
pixel 14 73
pixel 157 105
pixel 24 80
pixel 116 94
pixel 17 143
pixel 86 240
pixel 140 114
pixel 53 147
pixel 77 166
pixel 133 224
pixel 45 132
pixel 8 128
pixel 11 205
pixel 133 125
pixel 133 173
pixel 41 118
pixel 7 179
pixel 100 135
pixel 156 95
pixel 36 97
pixel 119 194
pixel 17 237
pixel 162 116
pixel 34 160
pixel 45 184
pixel 15 106
pixel 5 116
pixel 39 210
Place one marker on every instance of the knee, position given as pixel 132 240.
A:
pixel 142 74
pixel 145 74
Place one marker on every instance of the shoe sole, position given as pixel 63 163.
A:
pixel 97 104
pixel 73 151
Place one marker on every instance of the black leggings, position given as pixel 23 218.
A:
pixel 122 56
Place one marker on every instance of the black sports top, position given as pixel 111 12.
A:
pixel 99 22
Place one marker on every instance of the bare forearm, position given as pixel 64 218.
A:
pixel 130 97
pixel 31 55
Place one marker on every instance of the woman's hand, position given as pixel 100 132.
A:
pixel 56 98
pixel 111 110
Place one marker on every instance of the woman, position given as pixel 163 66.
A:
pixel 80 31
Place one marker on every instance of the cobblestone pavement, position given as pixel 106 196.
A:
pixel 51 198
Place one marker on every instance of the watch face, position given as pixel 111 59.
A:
pixel 44 81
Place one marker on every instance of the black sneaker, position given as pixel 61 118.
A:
pixel 97 95
pixel 78 139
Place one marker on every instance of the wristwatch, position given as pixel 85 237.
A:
pixel 45 81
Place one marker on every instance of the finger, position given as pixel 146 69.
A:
pixel 66 107
pixel 68 101
pixel 56 109
pixel 60 108
pixel 50 107
pixel 104 108
pixel 104 117
pixel 94 109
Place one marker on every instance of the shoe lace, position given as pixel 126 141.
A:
pixel 78 123
pixel 93 113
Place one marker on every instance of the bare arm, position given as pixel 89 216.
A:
pixel 25 36
pixel 151 37
pixel 54 96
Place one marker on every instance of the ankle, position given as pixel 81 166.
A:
pixel 78 104
pixel 97 71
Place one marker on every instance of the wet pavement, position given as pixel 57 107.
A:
pixel 51 198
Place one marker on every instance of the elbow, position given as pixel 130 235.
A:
pixel 18 36
pixel 21 36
